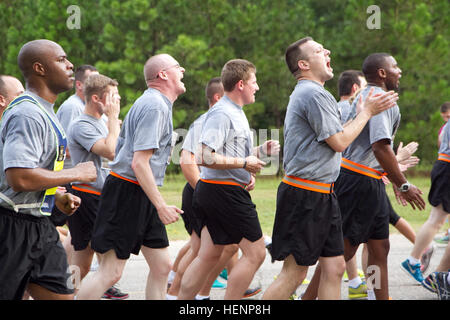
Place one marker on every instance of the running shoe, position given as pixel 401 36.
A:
pixel 219 285
pixel 360 292
pixel 114 293
pixel 442 240
pixel 412 270
pixel 443 287
pixel 360 274
pixel 426 259
pixel 429 284
pixel 250 292
pixel 224 274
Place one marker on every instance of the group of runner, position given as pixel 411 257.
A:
pixel 331 199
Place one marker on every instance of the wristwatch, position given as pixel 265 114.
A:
pixel 404 187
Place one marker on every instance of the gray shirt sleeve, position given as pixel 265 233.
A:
pixel 149 130
pixel 323 117
pixel 85 134
pixel 23 141
pixel 215 130
pixel 380 128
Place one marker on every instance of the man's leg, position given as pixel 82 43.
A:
pixel 331 277
pixel 196 273
pixel 83 259
pixel 253 254
pixel 290 277
pixel 184 264
pixel 109 272
pixel 378 255
pixel 228 252
pixel 312 291
pixel 406 230
pixel 444 264
pixel 428 230
pixel 159 263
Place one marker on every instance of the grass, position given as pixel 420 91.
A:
pixel 264 196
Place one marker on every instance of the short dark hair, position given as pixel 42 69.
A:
pixel 294 54
pixel 373 63
pixel 97 84
pixel 235 70
pixel 214 86
pixel 346 81
pixel 445 106
pixel 80 72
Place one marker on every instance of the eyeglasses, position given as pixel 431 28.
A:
pixel 165 69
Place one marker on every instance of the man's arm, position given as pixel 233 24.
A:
pixel 211 159
pixel 106 147
pixel 386 158
pixel 144 175
pixel 268 148
pixel 27 180
pixel 373 105
pixel 189 167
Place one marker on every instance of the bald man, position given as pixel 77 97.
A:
pixel 10 87
pixel 32 146
pixel 132 213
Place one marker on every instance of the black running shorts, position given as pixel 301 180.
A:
pixel 30 252
pixel 228 212
pixel 365 207
pixel 82 221
pixel 126 220
pixel 307 225
pixel 440 185
pixel 191 222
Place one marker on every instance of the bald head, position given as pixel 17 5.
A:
pixel 35 51
pixel 10 87
pixel 157 63
pixel 45 67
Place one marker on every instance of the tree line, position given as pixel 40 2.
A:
pixel 119 36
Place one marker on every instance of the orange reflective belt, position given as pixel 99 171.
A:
pixel 86 188
pixel 444 157
pixel 123 178
pixel 362 169
pixel 225 182
pixel 309 185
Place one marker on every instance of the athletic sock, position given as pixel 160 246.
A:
pixel 199 297
pixel 371 294
pixel 171 276
pixel 448 278
pixel 355 282
pixel 413 261
pixel 171 297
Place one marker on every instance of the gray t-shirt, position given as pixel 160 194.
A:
pixel 344 110
pixel 312 117
pixel 193 136
pixel 66 113
pixel 83 133
pixel 227 132
pixel 445 143
pixel 148 125
pixel 26 141
pixel 382 126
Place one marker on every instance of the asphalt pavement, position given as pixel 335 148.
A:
pixel 401 286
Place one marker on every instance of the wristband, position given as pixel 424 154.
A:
pixel 245 164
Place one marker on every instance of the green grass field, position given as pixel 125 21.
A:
pixel 264 196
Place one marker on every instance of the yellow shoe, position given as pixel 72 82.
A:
pixel 360 292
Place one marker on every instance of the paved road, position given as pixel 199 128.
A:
pixel 400 285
